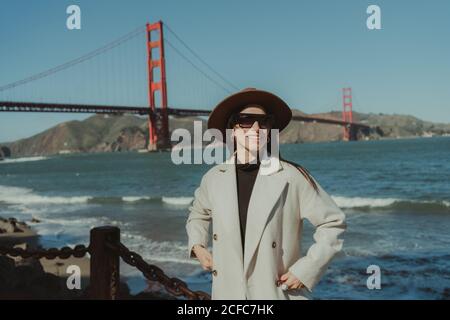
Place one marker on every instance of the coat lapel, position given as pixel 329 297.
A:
pixel 266 191
pixel 265 194
pixel 227 188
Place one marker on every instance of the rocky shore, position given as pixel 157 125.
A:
pixel 30 278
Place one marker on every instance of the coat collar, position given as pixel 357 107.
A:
pixel 269 164
pixel 269 185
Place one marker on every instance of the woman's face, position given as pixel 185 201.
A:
pixel 248 139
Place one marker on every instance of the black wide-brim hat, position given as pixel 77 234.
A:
pixel 218 118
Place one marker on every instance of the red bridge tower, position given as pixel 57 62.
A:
pixel 158 122
pixel 347 113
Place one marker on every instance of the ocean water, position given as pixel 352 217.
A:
pixel 395 193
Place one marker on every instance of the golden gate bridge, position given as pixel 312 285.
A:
pixel 20 96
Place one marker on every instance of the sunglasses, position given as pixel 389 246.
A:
pixel 246 120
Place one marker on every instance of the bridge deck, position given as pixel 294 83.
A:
pixel 9 106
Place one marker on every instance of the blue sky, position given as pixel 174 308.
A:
pixel 304 51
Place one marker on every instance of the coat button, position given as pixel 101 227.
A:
pixel 214 273
pixel 274 244
pixel 215 236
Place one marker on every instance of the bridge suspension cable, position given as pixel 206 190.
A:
pixel 76 61
pixel 198 57
pixel 195 66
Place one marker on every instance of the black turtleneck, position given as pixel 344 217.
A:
pixel 245 176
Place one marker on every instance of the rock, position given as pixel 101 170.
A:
pixel 5 152
pixel 27 262
pixel 19 258
pixel 7 266
pixel 34 220
pixel 7 226
pixel 11 225
pixel 16 229
pixel 24 275
pixel 23 246
pixel 27 280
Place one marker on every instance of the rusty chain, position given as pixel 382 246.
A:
pixel 174 286
pixel 78 251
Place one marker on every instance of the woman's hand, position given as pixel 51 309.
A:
pixel 203 256
pixel 291 281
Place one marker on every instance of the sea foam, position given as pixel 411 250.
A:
pixel 25 159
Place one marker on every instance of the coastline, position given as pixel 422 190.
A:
pixel 42 156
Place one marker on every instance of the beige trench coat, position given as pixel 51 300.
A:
pixel 280 200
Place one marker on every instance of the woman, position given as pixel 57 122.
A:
pixel 257 207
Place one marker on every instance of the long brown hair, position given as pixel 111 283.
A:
pixel 303 171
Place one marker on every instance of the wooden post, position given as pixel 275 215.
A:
pixel 105 273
